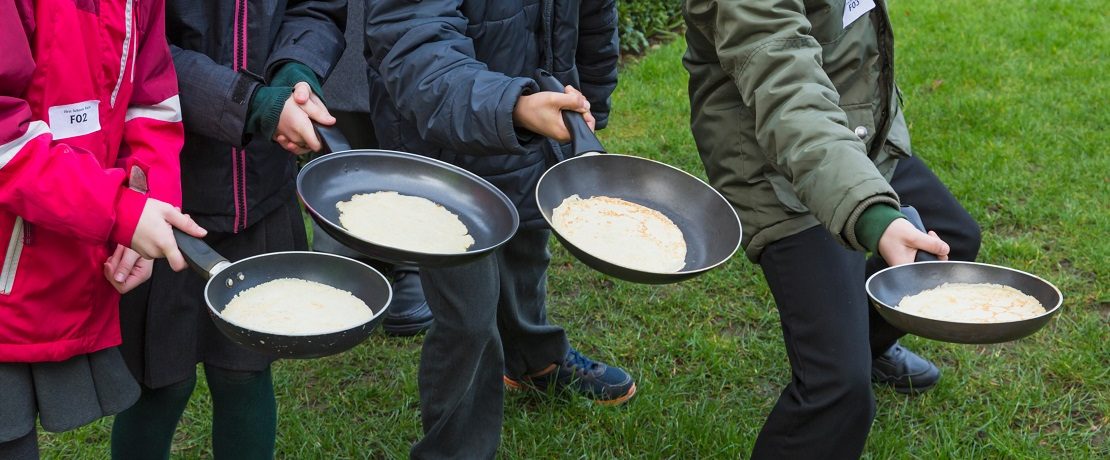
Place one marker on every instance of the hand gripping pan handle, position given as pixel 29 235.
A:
pixel 915 218
pixel 331 138
pixel 582 138
pixel 200 255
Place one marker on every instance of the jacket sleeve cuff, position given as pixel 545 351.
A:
pixel 289 73
pixel 265 111
pixel 238 104
pixel 129 207
pixel 850 235
pixel 873 222
pixel 513 139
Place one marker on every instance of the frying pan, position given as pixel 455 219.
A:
pixel 226 279
pixel 887 287
pixel 488 214
pixel 709 224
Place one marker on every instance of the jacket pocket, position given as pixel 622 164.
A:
pixel 784 191
pixel 861 120
pixel 11 258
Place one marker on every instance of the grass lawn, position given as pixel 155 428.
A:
pixel 1007 101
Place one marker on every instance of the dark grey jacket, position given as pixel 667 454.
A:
pixel 445 76
pixel 229 181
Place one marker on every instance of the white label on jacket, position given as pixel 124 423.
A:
pixel 72 120
pixel 853 9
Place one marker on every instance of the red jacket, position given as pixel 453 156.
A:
pixel 88 106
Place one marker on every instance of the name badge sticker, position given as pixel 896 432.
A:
pixel 77 119
pixel 854 9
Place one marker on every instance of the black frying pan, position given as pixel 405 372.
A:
pixel 708 223
pixel 488 214
pixel 226 279
pixel 888 286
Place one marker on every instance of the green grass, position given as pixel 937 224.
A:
pixel 1007 102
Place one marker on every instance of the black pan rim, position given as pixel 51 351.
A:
pixel 1048 311
pixel 739 227
pixel 212 278
pixel 411 156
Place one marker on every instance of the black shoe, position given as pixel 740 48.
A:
pixel 904 370
pixel 602 383
pixel 408 313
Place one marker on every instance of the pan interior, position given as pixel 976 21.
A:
pixel 708 223
pixel 891 285
pixel 338 272
pixel 488 217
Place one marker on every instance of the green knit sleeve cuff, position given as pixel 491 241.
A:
pixel 873 223
pixel 292 72
pixel 265 110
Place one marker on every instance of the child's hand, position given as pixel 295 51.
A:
pixel 154 235
pixel 541 112
pixel 294 130
pixel 126 269
pixel 901 241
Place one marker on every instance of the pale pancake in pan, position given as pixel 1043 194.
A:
pixel 292 306
pixel 972 303
pixel 404 222
pixel 622 233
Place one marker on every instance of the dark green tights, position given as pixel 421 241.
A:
pixel 244 417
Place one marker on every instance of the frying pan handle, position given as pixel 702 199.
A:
pixel 915 219
pixel 582 138
pixel 200 255
pixel 331 138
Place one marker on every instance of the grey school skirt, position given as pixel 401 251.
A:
pixel 63 395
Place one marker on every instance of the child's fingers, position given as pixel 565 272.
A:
pixel 186 224
pixel 318 112
pixel 941 247
pixel 929 243
pixel 301 92
pixel 137 276
pixel 114 258
pixel 585 103
pixel 565 101
pixel 175 259
pixel 131 282
pixel 125 265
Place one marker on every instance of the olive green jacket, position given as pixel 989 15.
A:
pixel 796 116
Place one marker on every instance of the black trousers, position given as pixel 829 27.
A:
pixel 491 320
pixel 832 333
pixel 22 448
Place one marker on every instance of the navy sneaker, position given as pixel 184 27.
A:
pixel 904 370
pixel 600 382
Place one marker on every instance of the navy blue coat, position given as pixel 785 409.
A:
pixel 445 76
pixel 230 181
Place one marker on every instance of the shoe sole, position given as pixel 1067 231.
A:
pixel 407 330
pixel 882 380
pixel 514 385
pixel 912 391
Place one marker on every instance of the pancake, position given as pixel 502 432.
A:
pixel 972 303
pixel 622 233
pixel 292 306
pixel 404 222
